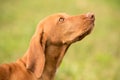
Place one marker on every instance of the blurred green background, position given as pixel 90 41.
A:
pixel 96 57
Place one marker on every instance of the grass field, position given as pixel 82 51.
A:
pixel 97 57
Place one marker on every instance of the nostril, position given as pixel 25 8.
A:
pixel 90 15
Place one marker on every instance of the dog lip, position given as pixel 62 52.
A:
pixel 87 32
pixel 84 34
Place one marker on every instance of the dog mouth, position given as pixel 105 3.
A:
pixel 85 33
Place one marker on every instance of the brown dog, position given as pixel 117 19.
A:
pixel 48 46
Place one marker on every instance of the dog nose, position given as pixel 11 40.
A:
pixel 90 15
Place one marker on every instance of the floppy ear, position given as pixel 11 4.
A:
pixel 36 55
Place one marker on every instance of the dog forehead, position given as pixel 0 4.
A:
pixel 59 15
pixel 53 18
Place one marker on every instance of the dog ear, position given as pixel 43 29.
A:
pixel 36 55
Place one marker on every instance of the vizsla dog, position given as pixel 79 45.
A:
pixel 47 47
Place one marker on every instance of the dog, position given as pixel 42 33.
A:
pixel 52 38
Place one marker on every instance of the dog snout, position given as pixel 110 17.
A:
pixel 90 16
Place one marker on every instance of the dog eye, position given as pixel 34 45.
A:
pixel 61 19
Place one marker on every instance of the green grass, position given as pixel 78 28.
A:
pixel 97 57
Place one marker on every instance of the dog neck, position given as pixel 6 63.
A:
pixel 53 55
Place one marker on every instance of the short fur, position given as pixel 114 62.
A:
pixel 47 47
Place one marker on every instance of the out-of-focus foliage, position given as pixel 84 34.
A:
pixel 97 57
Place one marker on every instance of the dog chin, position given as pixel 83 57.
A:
pixel 84 34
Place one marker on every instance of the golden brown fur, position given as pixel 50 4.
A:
pixel 47 47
